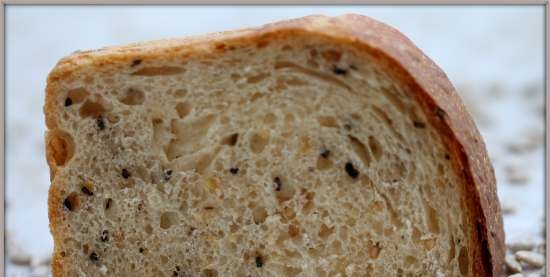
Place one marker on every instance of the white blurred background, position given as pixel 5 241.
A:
pixel 493 54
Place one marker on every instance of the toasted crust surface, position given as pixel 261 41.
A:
pixel 431 88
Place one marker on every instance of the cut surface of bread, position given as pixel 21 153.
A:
pixel 312 147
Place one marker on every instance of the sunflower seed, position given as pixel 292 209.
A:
pixel 530 258
pixel 512 264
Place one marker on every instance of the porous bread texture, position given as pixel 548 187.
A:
pixel 297 157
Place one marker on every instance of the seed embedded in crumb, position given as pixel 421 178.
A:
pixel 104 236
pixel 350 169
pixel 108 203
pixel 68 101
pixel 325 154
pixel 166 175
pixel 141 250
pixel 339 71
pixel 87 189
pixel 277 181
pixel 100 123
pixel 234 170
pixel 418 124
pixel 259 261
pixel 447 156
pixel 94 257
pixel 125 173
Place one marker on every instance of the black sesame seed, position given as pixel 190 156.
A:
pixel 418 124
pixel 100 123
pixel 125 173
pixel 136 62
pixel 104 236
pixel 141 250
pixel 278 184
pixel 234 170
pixel 339 71
pixel 67 203
pixel 259 261
pixel 325 153
pixel 447 157
pixel 166 175
pixel 68 101
pixel 352 172
pixel 86 191
pixel 94 257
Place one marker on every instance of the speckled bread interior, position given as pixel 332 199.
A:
pixel 270 152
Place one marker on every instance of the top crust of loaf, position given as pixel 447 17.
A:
pixel 430 85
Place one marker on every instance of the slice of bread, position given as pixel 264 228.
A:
pixel 311 147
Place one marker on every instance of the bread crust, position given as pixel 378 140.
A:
pixel 427 82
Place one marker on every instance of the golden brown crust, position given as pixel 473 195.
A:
pixel 429 84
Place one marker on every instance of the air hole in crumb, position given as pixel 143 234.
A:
pixel 433 221
pixel 257 78
pixel 231 140
pixel 360 149
pixel 183 109
pixel 209 273
pixel 285 193
pixel 428 244
pixel 452 249
pixel 327 121
pixel 148 229
pixel 167 219
pixel 463 263
pixel 260 214
pixel 72 202
pixel 91 109
pixel 133 97
pixel 77 95
pixel 180 93
pixel 375 147
pixel 270 118
pixel 60 147
pixel 287 214
pixel 410 260
pixel 374 250
pixel 258 141
pixel 325 231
